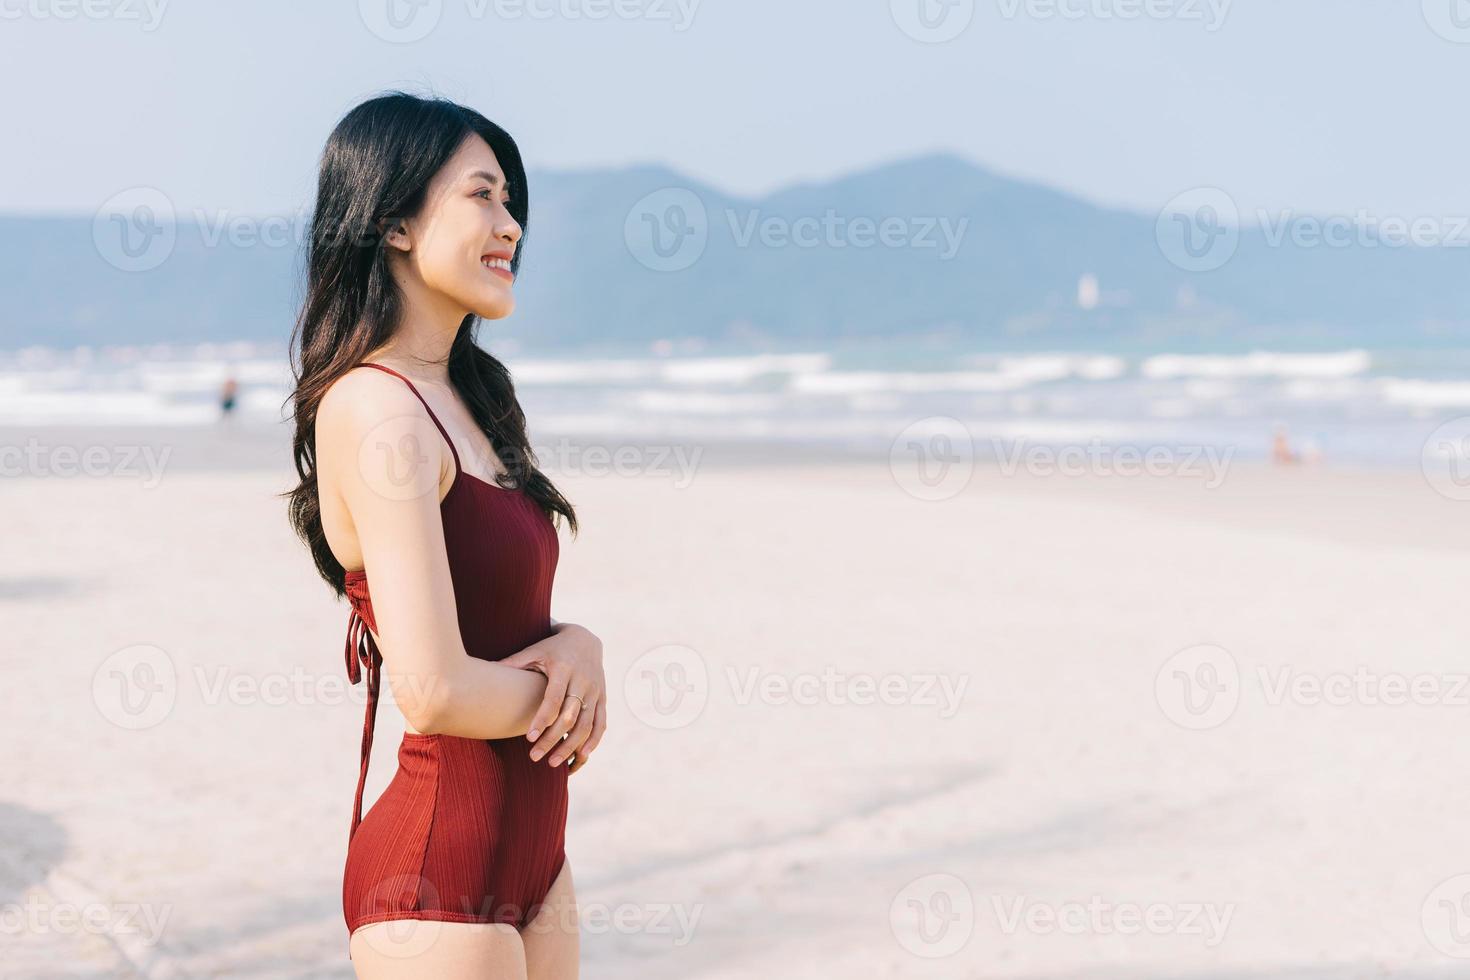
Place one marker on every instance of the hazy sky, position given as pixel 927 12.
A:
pixel 1318 105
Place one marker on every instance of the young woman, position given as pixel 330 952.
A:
pixel 417 476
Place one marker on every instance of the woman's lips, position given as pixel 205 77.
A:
pixel 498 267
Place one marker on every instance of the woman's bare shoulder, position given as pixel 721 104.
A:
pixel 362 399
pixel 366 407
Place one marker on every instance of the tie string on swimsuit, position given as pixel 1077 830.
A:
pixel 361 651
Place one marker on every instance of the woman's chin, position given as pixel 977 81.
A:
pixel 495 307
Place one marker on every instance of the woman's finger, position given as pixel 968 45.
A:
pixel 577 736
pixel 599 725
pixel 551 704
pixel 527 659
pixel 560 725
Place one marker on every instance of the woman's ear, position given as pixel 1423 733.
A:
pixel 395 233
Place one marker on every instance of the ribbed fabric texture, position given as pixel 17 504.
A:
pixel 468 830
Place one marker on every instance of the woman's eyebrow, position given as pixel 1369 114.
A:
pixel 486 176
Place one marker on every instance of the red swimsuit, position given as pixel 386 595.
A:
pixel 469 829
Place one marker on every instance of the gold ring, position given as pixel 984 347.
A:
pixel 580 702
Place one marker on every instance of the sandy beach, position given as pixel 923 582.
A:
pixel 1047 727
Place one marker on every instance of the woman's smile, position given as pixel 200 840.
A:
pixel 499 265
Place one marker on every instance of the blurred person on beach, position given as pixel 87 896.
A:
pixel 228 393
pixel 1281 451
pixel 417 473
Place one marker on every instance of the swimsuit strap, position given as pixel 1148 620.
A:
pixel 442 431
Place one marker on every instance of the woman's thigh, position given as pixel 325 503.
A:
pixel 553 936
pixel 408 949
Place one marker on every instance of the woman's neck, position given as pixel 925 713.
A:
pixel 425 332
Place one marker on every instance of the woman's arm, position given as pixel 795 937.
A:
pixel 377 449
pixel 512 694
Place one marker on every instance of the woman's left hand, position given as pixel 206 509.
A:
pixel 575 704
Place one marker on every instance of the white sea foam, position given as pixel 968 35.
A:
pixel 679 371
pixel 705 402
pixel 1053 367
pixel 856 382
pixel 1007 374
pixel 740 370
pixel 1258 364
pixel 819 397
pixel 1326 389
pixel 1425 394
pixel 90 408
pixel 1056 431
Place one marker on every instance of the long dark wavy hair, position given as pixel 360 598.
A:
pixel 376 168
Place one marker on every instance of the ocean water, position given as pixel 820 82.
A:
pixel 1352 404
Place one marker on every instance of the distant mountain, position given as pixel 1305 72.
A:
pixel 933 245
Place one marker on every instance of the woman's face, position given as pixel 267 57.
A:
pixel 455 254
